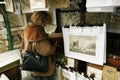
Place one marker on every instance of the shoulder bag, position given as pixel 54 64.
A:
pixel 32 61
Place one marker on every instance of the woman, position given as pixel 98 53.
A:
pixel 34 32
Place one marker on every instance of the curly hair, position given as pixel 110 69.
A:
pixel 41 18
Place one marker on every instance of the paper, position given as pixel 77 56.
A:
pixel 9 5
pixel 9 57
pixel 50 29
pixel 96 72
pixel 117 76
pixel 16 20
pixel 109 73
pixel 37 5
pixel 101 9
pixel 86 43
pixel 17 7
pixel 68 75
pixel 70 62
pixel 102 3
pixel 26 8
pixel 72 75
pixel 1 18
pixel 79 76
pixel 65 74
pixel 3 77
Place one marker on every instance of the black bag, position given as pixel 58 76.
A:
pixel 32 61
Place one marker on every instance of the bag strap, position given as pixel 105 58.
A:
pixel 32 49
pixel 31 45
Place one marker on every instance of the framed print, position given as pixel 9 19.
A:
pixel 25 4
pixel 67 17
pixel 86 43
pixel 114 24
pixel 102 3
pixel 16 20
pixel 9 5
pixel 17 6
pixel 38 5
pixel 73 17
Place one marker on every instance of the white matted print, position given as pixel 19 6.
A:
pixel 117 75
pixel 94 71
pixel 26 8
pixel 86 43
pixel 9 5
pixel 37 5
pixel 68 75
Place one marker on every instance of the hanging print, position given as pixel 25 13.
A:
pixel 9 5
pixel 85 43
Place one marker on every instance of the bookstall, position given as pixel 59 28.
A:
pixel 87 34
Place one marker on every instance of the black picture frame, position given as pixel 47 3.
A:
pixel 58 17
